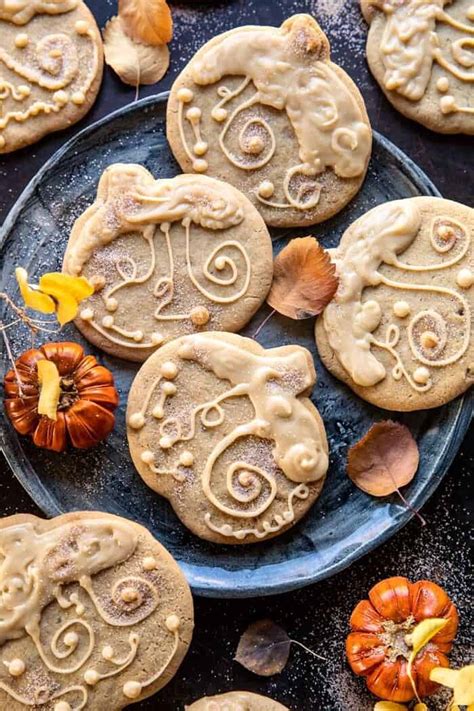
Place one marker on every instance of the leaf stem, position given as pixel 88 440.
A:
pixel 264 322
pixel 307 649
pixel 12 361
pixel 411 508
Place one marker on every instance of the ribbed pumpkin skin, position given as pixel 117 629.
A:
pixel 396 599
pixel 83 423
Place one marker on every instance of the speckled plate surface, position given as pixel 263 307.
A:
pixel 345 523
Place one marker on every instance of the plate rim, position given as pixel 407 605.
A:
pixel 225 586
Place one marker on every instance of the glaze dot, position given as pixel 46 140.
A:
pixel 150 563
pixel 60 97
pixel 199 315
pixel 169 370
pixel 91 677
pixel 193 114
pixel 81 27
pixel 465 278
pixel 219 114
pixel 147 457
pixel 87 314
pixel 157 338
pixel 138 336
pixel 158 412
pixel 78 98
pixel 55 53
pixel 470 13
pixel 447 104
pixel 185 95
pixel 129 595
pixel 166 442
pixel 107 652
pixel 62 706
pixel 136 421
pixel 24 90
pixel 111 305
pixel 108 321
pixel 21 40
pixel 168 388
pixel 421 375
pixel 16 667
pixel 266 189
pixel 172 623
pixel 429 339
pixel 71 639
pixel 220 263
pixel 200 165
pixel 132 689
pixel 254 145
pixel 200 148
pixel 442 84
pixel 186 459
pixel 2 142
pixel 97 281
pixel 401 309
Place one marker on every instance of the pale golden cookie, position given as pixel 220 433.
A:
pixel 398 331
pixel 51 63
pixel 169 257
pixel 226 431
pixel 265 109
pixel 236 701
pixel 94 614
pixel 420 52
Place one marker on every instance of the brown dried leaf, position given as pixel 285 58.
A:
pixel 264 648
pixel 147 21
pixel 304 279
pixel 135 63
pixel 385 459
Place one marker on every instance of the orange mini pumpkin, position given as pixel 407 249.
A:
pixel 86 404
pixel 379 645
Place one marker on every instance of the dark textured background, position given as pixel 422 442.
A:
pixel 318 615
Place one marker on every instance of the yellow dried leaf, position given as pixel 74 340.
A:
pixel 67 291
pixel 33 298
pixel 420 707
pixel 147 21
pixel 304 279
pixel 419 638
pixel 389 706
pixel 50 389
pixel 134 63
pixel 460 680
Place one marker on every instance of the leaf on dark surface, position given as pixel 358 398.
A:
pixel 264 648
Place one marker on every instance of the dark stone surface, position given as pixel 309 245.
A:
pixel 316 616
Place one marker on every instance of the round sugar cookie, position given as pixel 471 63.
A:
pixel 51 63
pixel 168 257
pixel 420 53
pixel 265 109
pixel 398 331
pixel 225 430
pixel 94 614
pixel 236 701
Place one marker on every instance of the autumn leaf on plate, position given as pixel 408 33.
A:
pixel 385 459
pixel 264 648
pixel 304 279
pixel 147 21
pixel 135 63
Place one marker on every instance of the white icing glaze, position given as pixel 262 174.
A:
pixel 290 70
pixel 376 238
pixel 410 45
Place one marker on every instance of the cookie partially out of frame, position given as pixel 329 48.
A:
pixel 169 257
pixel 51 63
pixel 399 330
pixel 94 613
pixel 421 55
pixel 265 109
pixel 226 431
pixel 236 701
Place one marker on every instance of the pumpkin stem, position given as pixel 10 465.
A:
pixel 68 394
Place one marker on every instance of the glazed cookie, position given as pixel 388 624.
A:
pixel 398 331
pixel 225 430
pixel 51 64
pixel 94 614
pixel 420 52
pixel 265 109
pixel 236 701
pixel 168 257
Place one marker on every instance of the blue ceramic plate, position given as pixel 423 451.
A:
pixel 344 523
